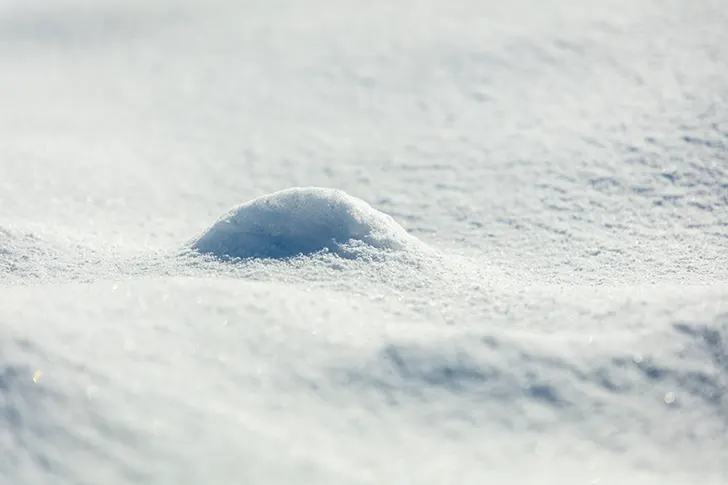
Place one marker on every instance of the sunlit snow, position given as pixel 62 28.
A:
pixel 386 242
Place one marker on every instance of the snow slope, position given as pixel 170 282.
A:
pixel 331 242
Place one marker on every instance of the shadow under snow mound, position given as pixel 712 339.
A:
pixel 303 221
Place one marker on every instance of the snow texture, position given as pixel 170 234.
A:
pixel 300 221
pixel 517 274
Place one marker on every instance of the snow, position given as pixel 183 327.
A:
pixel 303 220
pixel 479 242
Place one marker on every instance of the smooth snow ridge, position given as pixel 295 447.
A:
pixel 303 220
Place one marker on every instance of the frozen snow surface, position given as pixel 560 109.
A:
pixel 479 242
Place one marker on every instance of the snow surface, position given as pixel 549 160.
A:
pixel 303 220
pixel 480 242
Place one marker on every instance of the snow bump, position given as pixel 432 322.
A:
pixel 304 221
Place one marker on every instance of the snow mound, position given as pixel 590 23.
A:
pixel 304 220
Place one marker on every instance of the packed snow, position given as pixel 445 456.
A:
pixel 303 220
pixel 335 242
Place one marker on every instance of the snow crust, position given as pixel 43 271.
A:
pixel 303 221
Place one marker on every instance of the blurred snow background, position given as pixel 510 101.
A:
pixel 565 162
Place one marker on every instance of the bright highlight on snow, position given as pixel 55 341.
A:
pixel 304 220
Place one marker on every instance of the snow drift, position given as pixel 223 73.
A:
pixel 303 220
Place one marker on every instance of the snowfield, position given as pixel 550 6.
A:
pixel 390 242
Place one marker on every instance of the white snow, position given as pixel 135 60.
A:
pixel 303 220
pixel 517 271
